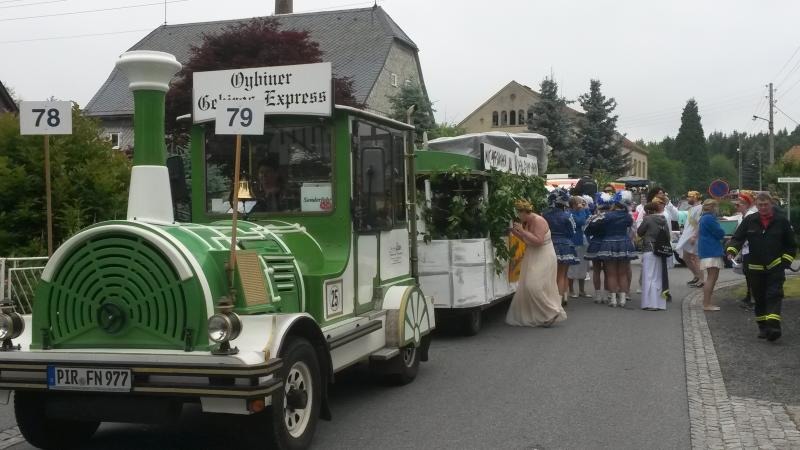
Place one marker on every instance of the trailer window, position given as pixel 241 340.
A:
pixel 288 169
pixel 380 177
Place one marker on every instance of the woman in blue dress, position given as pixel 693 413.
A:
pixel 615 248
pixel 562 230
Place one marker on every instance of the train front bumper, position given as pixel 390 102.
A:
pixel 168 374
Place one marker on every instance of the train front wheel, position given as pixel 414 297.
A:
pixel 295 409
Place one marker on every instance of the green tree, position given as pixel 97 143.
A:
pixel 597 133
pixel 665 171
pixel 722 167
pixel 690 147
pixel 89 184
pixel 445 129
pixel 411 94
pixel 549 118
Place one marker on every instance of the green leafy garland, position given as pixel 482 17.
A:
pixel 468 215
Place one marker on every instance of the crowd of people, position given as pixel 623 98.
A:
pixel 580 238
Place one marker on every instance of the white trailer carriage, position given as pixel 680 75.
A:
pixel 457 257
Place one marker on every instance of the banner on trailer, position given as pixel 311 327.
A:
pixel 304 89
pixel 508 161
pixel 499 159
pixel 527 165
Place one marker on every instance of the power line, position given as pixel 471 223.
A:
pixel 32 4
pixel 787 116
pixel 75 36
pixel 788 74
pixel 708 104
pixel 728 105
pixel 787 62
pixel 141 5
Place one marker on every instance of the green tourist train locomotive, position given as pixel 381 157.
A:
pixel 133 318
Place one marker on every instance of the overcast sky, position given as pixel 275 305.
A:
pixel 650 55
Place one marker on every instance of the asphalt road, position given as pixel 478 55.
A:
pixel 605 378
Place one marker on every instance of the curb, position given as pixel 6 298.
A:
pixel 717 420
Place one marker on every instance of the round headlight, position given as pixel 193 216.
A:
pixel 11 325
pixel 222 327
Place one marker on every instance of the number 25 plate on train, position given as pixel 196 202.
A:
pixel 89 379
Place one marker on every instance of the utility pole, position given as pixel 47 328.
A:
pixel 771 127
pixel 739 150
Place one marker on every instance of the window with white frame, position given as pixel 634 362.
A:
pixel 114 139
pixel 394 79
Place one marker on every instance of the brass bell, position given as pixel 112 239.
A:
pixel 244 191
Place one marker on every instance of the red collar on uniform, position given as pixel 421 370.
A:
pixel 765 219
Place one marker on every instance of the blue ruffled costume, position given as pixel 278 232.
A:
pixel 609 237
pixel 562 231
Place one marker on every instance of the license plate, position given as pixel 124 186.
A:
pixel 89 379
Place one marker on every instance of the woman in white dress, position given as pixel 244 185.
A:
pixel 652 264
pixel 537 301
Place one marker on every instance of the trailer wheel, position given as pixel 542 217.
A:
pixel 48 433
pixel 472 322
pixel 295 410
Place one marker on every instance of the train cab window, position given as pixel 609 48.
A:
pixel 289 170
pixel 379 178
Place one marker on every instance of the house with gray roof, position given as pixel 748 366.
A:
pixel 363 44
pixel 7 103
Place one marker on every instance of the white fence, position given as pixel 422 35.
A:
pixel 18 279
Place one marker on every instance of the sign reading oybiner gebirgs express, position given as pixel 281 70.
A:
pixel 304 89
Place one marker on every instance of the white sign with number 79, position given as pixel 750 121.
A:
pixel 45 118
pixel 240 117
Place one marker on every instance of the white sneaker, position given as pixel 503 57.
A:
pixel 573 295
pixel 613 302
pixel 622 299
pixel 638 290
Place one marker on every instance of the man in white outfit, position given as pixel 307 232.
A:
pixel 687 244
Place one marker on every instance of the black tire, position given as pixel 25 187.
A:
pixel 48 433
pixel 405 365
pixel 472 322
pixel 289 429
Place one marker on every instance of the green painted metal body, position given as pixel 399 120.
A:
pixel 119 272
pixel 148 127
pixel 156 308
pixel 322 257
pixel 428 161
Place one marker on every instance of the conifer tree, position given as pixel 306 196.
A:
pixel 550 120
pixel 597 133
pixel 691 149
pixel 412 94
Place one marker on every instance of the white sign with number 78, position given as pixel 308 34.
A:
pixel 240 117
pixel 45 118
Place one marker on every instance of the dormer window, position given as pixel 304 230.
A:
pixel 394 79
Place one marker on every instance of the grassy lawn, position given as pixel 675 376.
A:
pixel 791 289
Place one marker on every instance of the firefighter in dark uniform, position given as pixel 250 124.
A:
pixel 772 249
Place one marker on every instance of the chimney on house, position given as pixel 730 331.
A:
pixel 283 6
